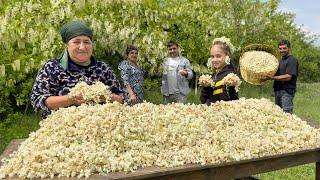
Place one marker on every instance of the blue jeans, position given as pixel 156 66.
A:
pixel 284 100
pixel 176 98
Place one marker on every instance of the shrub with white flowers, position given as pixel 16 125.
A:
pixel 80 141
pixel 95 93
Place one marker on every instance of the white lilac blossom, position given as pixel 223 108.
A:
pixel 206 80
pixel 95 93
pixel 15 65
pixel 232 80
pixel 226 41
pixel 227 60
pixel 209 63
pixel 256 65
pixel 2 70
pixel 80 141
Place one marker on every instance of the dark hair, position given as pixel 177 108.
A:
pixel 172 43
pixel 226 49
pixel 285 42
pixel 130 48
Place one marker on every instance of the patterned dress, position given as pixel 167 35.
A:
pixel 134 76
pixel 55 80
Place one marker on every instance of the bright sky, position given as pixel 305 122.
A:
pixel 307 14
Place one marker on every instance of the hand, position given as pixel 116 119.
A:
pixel 183 72
pixel 231 83
pixel 266 78
pixel 205 84
pixel 117 98
pixel 77 100
pixel 133 98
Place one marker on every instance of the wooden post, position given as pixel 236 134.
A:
pixel 317 170
pixel 196 86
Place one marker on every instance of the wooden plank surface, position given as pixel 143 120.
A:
pixel 221 171
pixel 13 146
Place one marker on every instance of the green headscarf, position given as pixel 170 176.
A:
pixel 74 29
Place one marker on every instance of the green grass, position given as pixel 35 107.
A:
pixel 18 126
pixel 306 104
pixel 253 91
pixel 304 172
pixel 156 97
pixel 307 101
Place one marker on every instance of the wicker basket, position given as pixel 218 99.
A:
pixel 257 62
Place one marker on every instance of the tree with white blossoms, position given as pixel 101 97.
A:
pixel 29 32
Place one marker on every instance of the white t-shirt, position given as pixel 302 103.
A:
pixel 172 75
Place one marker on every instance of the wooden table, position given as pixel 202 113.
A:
pixel 222 171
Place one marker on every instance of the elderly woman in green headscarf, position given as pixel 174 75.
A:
pixel 76 64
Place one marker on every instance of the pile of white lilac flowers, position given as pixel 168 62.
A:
pixel 257 65
pixel 95 93
pixel 80 141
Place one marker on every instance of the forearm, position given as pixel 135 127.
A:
pixel 55 102
pixel 130 91
pixel 284 77
pixel 115 97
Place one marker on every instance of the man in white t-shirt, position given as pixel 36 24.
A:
pixel 176 73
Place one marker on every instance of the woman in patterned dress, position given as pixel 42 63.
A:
pixel 132 76
pixel 59 75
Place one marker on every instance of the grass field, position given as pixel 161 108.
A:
pixel 306 104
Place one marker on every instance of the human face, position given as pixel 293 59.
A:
pixel 218 57
pixel 132 56
pixel 284 50
pixel 80 50
pixel 173 51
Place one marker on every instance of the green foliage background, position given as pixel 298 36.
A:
pixel 29 35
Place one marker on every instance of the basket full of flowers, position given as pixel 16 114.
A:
pixel 257 62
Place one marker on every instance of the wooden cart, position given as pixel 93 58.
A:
pixel 222 171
